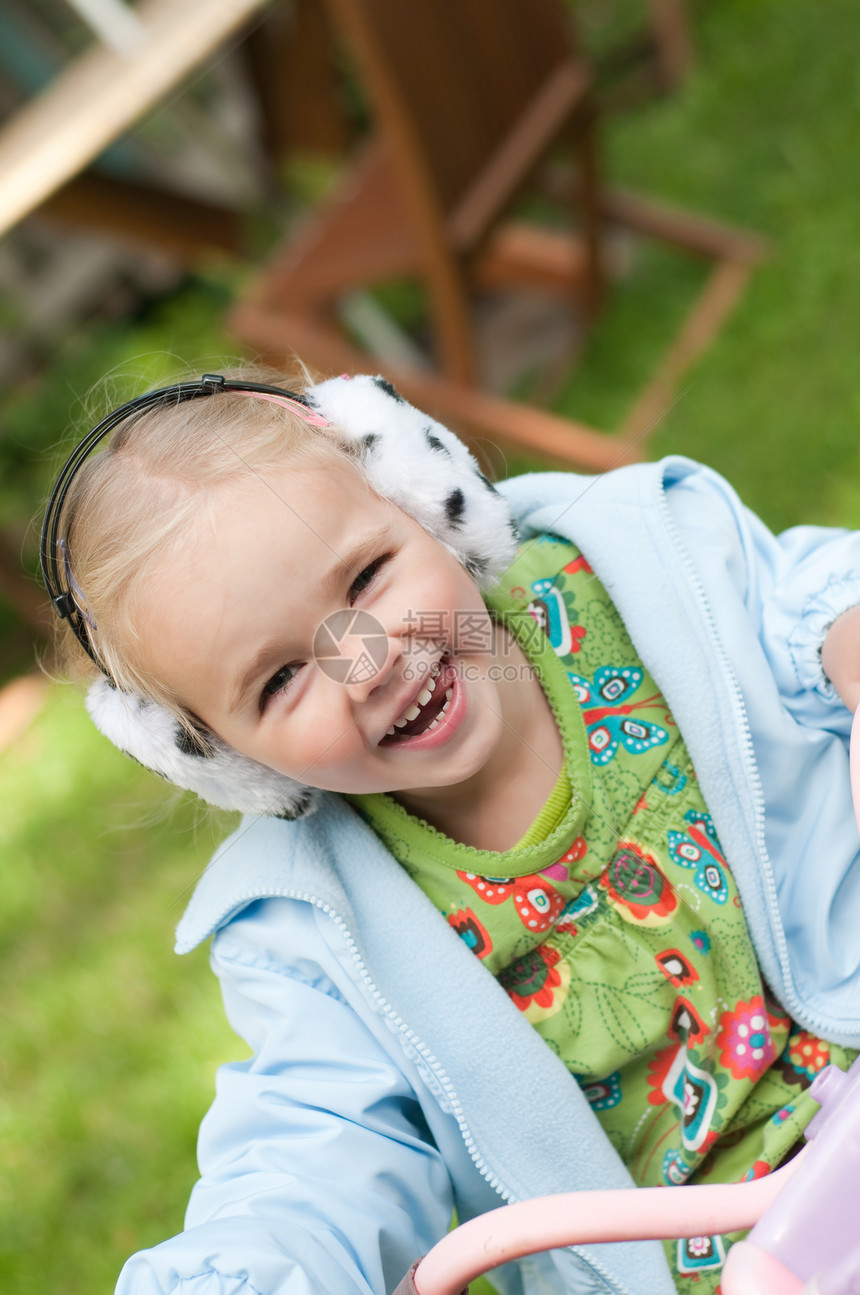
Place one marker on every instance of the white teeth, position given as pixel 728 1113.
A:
pixel 421 700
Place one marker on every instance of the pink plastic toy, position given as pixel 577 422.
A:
pixel 805 1217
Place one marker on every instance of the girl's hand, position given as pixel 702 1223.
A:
pixel 840 656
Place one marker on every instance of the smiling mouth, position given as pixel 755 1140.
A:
pixel 428 709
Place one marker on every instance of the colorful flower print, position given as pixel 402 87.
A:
pixel 602 1094
pixel 585 903
pixel 802 1058
pixel 493 890
pixel 658 1069
pixel 670 779
pixel 701 941
pixel 697 1095
pixel 711 880
pixel 608 713
pixel 584 906
pixel 700 1254
pixel 557 616
pixel 760 1169
pixel 579 563
pixel 560 870
pixel 537 903
pixel 778 1017
pixel 636 887
pixel 745 1040
pixel 676 968
pixel 699 848
pixel 537 983
pixel 686 1023
pixel 471 932
pixel 676 1171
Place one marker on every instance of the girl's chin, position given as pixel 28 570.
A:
pixel 431 778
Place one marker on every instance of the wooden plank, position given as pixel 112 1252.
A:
pixel 707 315
pixel 548 436
pixel 673 47
pixel 292 60
pixel 698 235
pixel 518 154
pixel 279 337
pixel 102 93
pixel 360 234
pixel 183 226
pixel 529 256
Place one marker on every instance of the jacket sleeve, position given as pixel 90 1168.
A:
pixel 794 584
pixel 318 1172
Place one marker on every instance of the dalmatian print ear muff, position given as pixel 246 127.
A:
pixel 407 457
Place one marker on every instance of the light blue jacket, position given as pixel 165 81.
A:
pixel 392 1079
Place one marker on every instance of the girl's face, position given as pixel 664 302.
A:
pixel 395 692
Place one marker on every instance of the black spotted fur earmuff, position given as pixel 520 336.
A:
pixel 409 459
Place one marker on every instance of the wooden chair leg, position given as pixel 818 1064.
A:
pixel 290 55
pixel 673 49
pixel 449 305
pixel 709 311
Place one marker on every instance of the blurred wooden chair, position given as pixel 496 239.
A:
pixel 669 42
pixel 47 146
pixel 469 96
pixel 654 58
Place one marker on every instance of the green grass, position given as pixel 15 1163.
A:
pixel 107 1066
pixel 110 1044
pixel 763 135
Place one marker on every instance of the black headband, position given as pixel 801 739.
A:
pixel 54 559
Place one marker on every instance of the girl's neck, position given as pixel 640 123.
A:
pixel 494 808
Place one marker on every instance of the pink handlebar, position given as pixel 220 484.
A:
pixel 854 764
pixel 633 1214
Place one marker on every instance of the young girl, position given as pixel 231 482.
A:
pixel 542 888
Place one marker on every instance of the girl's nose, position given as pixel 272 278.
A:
pixel 353 648
pixel 373 663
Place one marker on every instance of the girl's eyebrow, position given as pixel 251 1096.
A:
pixel 260 661
pixel 332 582
pixel 363 547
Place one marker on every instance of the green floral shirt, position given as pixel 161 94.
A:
pixel 615 925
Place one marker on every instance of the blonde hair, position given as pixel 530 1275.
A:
pixel 132 505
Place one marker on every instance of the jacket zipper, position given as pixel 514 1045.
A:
pixel 382 1006
pixel 748 759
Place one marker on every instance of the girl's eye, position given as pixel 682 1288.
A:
pixel 280 680
pixel 365 578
